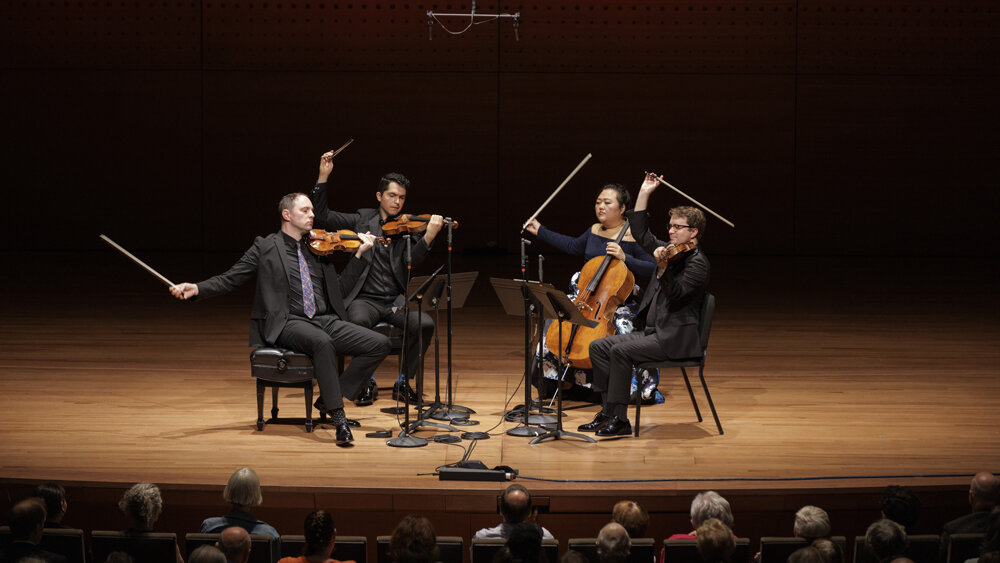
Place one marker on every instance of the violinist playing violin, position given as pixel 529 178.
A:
pixel 670 307
pixel 379 292
pixel 299 305
pixel 599 240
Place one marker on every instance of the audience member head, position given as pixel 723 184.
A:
pixel 413 541
pixel 830 551
pixel 715 541
pixel 27 519
pixel 320 533
pixel 885 539
pixel 207 554
pixel 807 554
pixel 632 517
pixel 120 557
pixel 525 543
pixel 515 504
pixel 243 488
pixel 613 543
pixel 235 544
pixel 984 493
pixel 900 505
pixel 811 522
pixel 710 504
pixel 573 556
pixel 54 496
pixel 142 505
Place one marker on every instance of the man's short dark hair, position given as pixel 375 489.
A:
pixel 54 495
pixel 414 541
pixel 383 183
pixel 695 218
pixel 516 511
pixel 525 543
pixel 900 505
pixel 288 201
pixel 26 517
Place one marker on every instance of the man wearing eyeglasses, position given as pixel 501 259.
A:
pixel 670 306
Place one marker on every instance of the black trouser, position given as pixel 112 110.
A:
pixel 368 313
pixel 325 336
pixel 613 358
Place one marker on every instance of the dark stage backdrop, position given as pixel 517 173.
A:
pixel 818 127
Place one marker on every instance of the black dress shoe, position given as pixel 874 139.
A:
pixel 599 421
pixel 368 394
pixel 616 427
pixel 344 435
pixel 352 422
pixel 398 391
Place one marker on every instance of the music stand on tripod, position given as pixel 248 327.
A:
pixel 517 300
pixel 558 306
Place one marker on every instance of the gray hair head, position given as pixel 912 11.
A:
pixel 142 504
pixel 243 488
pixel 811 522
pixel 613 543
pixel 710 504
pixel 885 538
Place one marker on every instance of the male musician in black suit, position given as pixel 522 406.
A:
pixel 299 305
pixel 379 294
pixel 670 305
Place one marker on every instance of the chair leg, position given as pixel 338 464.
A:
pixel 274 402
pixel 260 405
pixel 309 405
pixel 694 403
pixel 701 375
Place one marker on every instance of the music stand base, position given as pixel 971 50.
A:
pixel 404 440
pixel 525 431
pixel 450 414
pixel 558 434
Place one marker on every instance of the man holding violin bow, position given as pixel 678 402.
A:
pixel 299 305
pixel 379 294
pixel 670 306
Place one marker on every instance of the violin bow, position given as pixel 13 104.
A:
pixel 137 261
pixel 564 182
pixel 696 202
pixel 342 147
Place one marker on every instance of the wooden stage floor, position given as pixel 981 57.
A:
pixel 825 372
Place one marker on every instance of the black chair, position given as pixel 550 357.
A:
pixel 777 550
pixel 484 549
pixel 921 548
pixel 346 548
pixel 148 547
pixel 686 551
pixel 705 330
pixel 67 542
pixel 449 546
pixel 277 367
pixel 963 546
pixel 262 549
pixel 643 549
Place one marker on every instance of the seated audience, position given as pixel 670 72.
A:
pixel 321 536
pixel 515 506
pixel 632 517
pixel 121 557
pixel 707 504
pixel 811 523
pixel 54 496
pixel 984 493
pixel 885 540
pixel 989 551
pixel 243 493
pixel 613 543
pixel 524 545
pixel 716 543
pixel 573 556
pixel 207 554
pixel 807 554
pixel 27 519
pixel 142 506
pixel 235 544
pixel 830 551
pixel 414 541
pixel 900 505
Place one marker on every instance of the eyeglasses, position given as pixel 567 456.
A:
pixel 679 227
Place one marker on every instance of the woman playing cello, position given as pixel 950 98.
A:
pixel 599 240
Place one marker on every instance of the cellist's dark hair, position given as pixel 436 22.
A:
pixel 383 184
pixel 623 196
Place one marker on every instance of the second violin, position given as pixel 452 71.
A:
pixel 322 242
pixel 407 223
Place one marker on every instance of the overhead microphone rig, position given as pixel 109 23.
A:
pixel 433 17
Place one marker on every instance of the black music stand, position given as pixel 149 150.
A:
pixel 461 287
pixel 557 305
pixel 517 300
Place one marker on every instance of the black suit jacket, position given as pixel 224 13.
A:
pixel 20 549
pixel 270 304
pixel 682 290
pixel 363 221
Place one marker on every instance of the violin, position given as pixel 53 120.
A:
pixel 677 251
pixel 406 223
pixel 322 242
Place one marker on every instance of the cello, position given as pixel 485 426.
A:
pixel 606 283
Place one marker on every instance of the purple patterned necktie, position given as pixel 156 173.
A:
pixel 308 298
